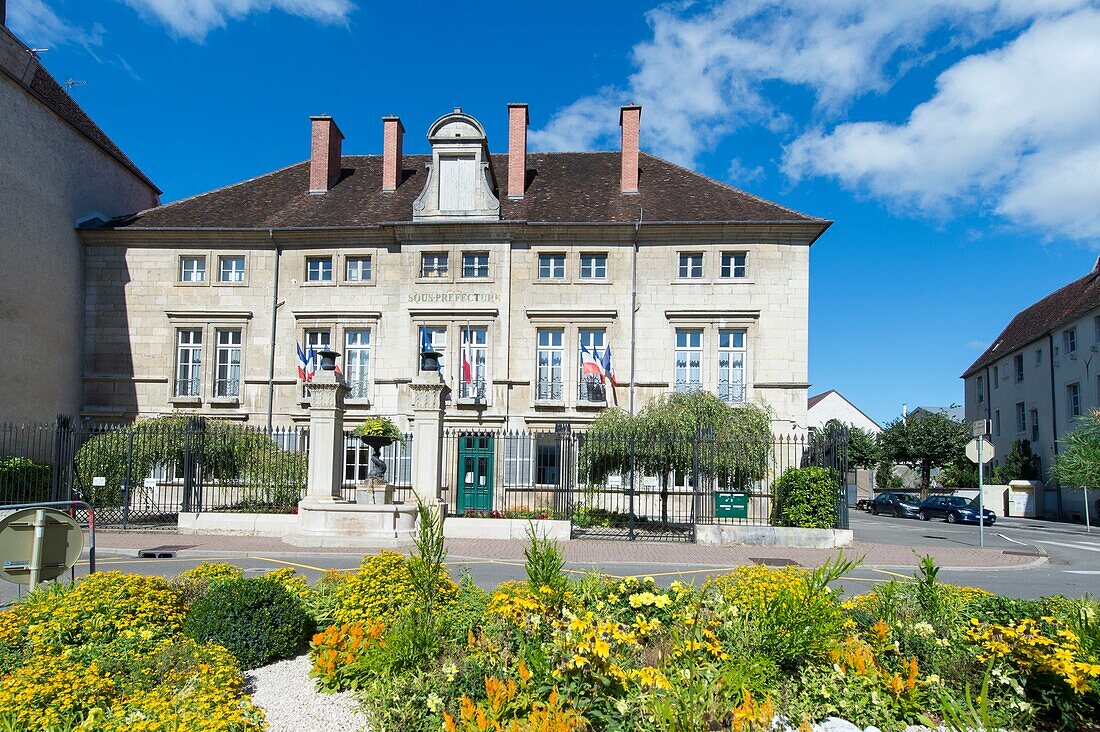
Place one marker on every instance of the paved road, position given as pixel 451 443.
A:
pixel 1062 559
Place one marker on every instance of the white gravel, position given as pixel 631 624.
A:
pixel 293 704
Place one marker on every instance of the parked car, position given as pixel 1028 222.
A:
pixel 898 505
pixel 863 504
pixel 955 509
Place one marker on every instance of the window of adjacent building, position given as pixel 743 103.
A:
pixel 1021 418
pixel 1034 425
pixel 996 377
pixel 357 362
pixel 996 423
pixel 591 385
pixel 551 266
pixel 731 366
pixel 475 356
pixel 192 269
pixel 436 337
pixel 689 359
pixel 188 362
pixel 979 388
pixel 1018 366
pixel 733 264
pixel 475 265
pixel 357 269
pixel 1038 356
pixel 231 269
pixel 1073 400
pixel 551 342
pixel 1069 340
pixel 593 266
pixel 227 364
pixel 434 265
pixel 1096 328
pixel 318 269
pixel 691 265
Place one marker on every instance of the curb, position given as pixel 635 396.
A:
pixel 1046 530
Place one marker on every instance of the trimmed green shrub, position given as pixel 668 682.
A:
pixel 806 498
pixel 256 619
pixel 24 481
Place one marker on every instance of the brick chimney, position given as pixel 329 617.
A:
pixel 393 133
pixel 630 119
pixel 324 154
pixel 517 149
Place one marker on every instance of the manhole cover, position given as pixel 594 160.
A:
pixel 774 562
pixel 168 551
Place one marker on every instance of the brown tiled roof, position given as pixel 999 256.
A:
pixel 1062 305
pixel 812 401
pixel 562 188
pixel 50 93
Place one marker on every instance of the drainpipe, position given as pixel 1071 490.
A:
pixel 1053 419
pixel 634 308
pixel 988 395
pixel 274 322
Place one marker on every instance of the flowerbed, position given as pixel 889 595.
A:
pixel 740 652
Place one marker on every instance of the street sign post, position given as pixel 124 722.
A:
pixel 980 451
pixel 979 428
pixel 38 544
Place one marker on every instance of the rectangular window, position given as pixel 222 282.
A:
pixel 357 269
pixel 318 269
pixel 1021 418
pixel 475 356
pixel 691 265
pixel 996 377
pixel 547 462
pixel 1096 328
pixel 591 386
pixel 593 266
pixel 518 459
pixel 434 265
pixel 317 339
pixel 1034 425
pixel 1038 356
pixel 979 388
pixel 192 269
pixel 1018 366
pixel 689 360
pixel 1069 340
pixel 549 363
pixel 457 182
pixel 551 266
pixel 227 380
pixel 1073 400
pixel 475 265
pixel 357 362
pixel 997 423
pixel 188 362
pixel 731 366
pixel 436 337
pixel 733 265
pixel 231 269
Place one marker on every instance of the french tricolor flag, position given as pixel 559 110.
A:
pixel 303 365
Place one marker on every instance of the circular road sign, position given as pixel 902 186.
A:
pixel 62 542
pixel 972 450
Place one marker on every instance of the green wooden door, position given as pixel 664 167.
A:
pixel 475 473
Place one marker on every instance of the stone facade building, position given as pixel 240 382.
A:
pixel 58 169
pixel 1035 380
pixel 520 268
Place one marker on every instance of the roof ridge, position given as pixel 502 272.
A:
pixel 216 190
pixel 730 187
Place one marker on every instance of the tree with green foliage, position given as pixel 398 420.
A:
pixel 885 478
pixel 1078 463
pixel 1019 464
pixel 863 449
pixel 930 440
pixel 660 440
pixel 959 474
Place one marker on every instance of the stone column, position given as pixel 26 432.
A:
pixel 428 391
pixel 326 437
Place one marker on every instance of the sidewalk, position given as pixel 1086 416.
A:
pixel 584 552
pixel 1048 526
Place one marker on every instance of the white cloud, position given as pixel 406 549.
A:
pixel 977 345
pixel 1014 130
pixel 38 25
pixel 195 18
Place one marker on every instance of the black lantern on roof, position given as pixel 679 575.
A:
pixel 328 359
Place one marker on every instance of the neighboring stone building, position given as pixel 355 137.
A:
pixel 57 169
pixel 519 265
pixel 1036 379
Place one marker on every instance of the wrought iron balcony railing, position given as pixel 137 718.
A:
pixel 227 388
pixel 187 387
pixel 472 390
pixel 732 393
pixel 592 391
pixel 548 390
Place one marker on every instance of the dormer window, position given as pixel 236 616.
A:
pixel 461 183
pixel 457 183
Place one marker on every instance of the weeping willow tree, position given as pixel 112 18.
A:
pixel 228 453
pixel 1078 463
pixel 679 433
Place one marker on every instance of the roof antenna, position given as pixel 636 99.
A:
pixel 35 51
pixel 74 82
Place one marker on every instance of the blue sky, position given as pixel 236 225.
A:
pixel 955 144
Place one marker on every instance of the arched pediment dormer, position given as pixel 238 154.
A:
pixel 461 183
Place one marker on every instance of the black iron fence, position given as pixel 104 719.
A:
pixel 630 484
